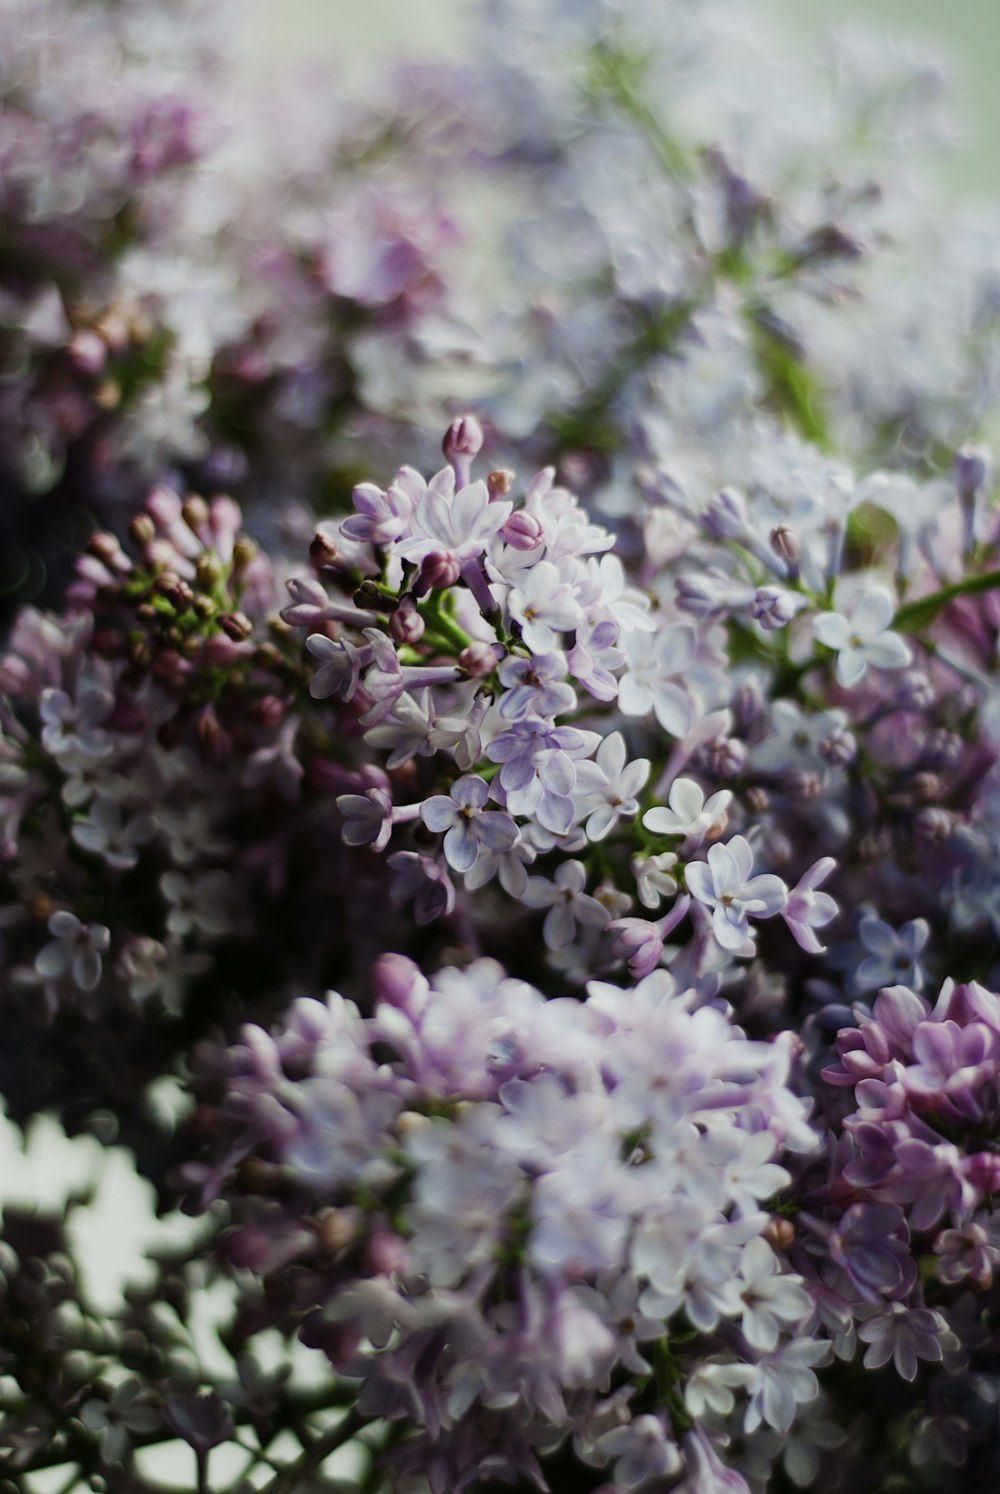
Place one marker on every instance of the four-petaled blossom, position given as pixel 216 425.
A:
pixel 609 785
pixel 567 902
pixel 863 638
pixel 687 811
pixel 544 605
pixel 725 885
pixel 459 526
pixel 467 825
pixel 807 909
pixel 77 948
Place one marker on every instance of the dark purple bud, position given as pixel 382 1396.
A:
pixel 785 545
pixel 405 624
pixel 522 531
pixel 462 444
pixel 802 784
pixel 236 625
pixel 437 573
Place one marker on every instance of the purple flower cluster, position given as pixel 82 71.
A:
pixel 515 1221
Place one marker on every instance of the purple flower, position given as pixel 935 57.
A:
pixel 725 885
pixel 807 909
pixel 535 686
pixel 863 639
pixel 567 902
pixel 893 958
pixel 467 825
pixel 903 1335
pixel 424 879
pixel 459 526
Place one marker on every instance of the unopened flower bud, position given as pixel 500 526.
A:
pixel 236 625
pixel 88 350
pixel 142 530
pixel 463 441
pixel 438 572
pixel 924 787
pixel 395 979
pixel 244 552
pixel 779 1233
pixel 726 516
pixel 802 785
pixel 839 748
pixel 405 624
pixel 370 599
pixel 785 545
pixel 500 482
pixel 914 691
pixel 270 710
pixel 480 659
pixel 410 1123
pixel 972 469
pixel 932 825
pixel 522 531
pixel 337 1229
pixel 105 548
pixel 322 551
pixel 727 756
pixel 757 799
pixel 195 511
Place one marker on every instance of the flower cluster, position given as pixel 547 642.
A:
pixel 529 1220
pixel 672 694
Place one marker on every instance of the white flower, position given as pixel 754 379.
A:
pixel 460 526
pixel 610 785
pixel 726 886
pixel 545 606
pixel 784 1380
pixel 77 947
pixel 654 879
pixel 769 1298
pixel 650 683
pixel 689 812
pixel 107 833
pixel 863 639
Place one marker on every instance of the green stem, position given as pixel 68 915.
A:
pixel 916 614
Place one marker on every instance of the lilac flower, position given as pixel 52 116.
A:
pixel 200 904
pixel 688 812
pixel 458 525
pixel 535 686
pixel 424 879
pixel 567 903
pixel 107 833
pixel 77 948
pixel 769 1297
pixel 893 958
pixel 76 726
pixel 783 1381
pixel 863 638
pixel 902 1334
pixel 380 518
pixel 368 818
pixel 654 878
pixel 544 605
pixel 609 786
pixel 467 825
pixel 340 668
pixel 808 909
pixel 655 663
pixel 725 885
pixel 538 773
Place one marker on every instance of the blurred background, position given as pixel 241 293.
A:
pixel 965 33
